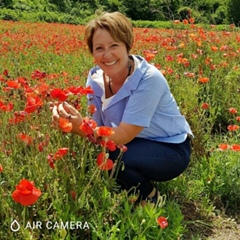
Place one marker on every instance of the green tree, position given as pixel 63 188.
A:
pixel 5 3
pixel 233 12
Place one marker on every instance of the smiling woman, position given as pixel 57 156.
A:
pixel 133 99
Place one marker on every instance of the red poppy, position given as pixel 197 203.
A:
pixel 80 90
pixel 1 168
pixel 88 125
pixel 223 146
pixel 232 128
pixel 162 221
pixel 111 145
pixel 65 125
pixel 149 54
pixel 232 110
pixel 92 109
pixel 18 117
pixel 122 148
pixel 59 94
pixel 26 193
pixel 192 20
pixel 50 161
pixel 44 143
pixel 238 118
pixel 205 106
pixel 103 162
pixel 41 88
pixel 74 90
pixel 13 84
pixel 203 79
pixel 33 103
pixel 87 90
pixel 60 153
pixel 6 107
pixel 36 74
pixel 105 131
pixel 236 147
pixel 25 138
pixel 214 48
pixel 5 72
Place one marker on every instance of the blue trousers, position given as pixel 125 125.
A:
pixel 146 161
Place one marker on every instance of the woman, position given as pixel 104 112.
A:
pixel 133 97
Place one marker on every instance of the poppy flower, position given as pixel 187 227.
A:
pixel 88 125
pixel 149 54
pixel 25 138
pixel 59 94
pixel 105 131
pixel 36 74
pixel 232 128
pixel 110 145
pixel 122 148
pixel 40 89
pixel 26 193
pixel 18 117
pixel 92 109
pixel 103 162
pixel 236 147
pixel 6 107
pixel 50 160
pixel 33 103
pixel 214 48
pixel 162 221
pixel 65 125
pixel 191 20
pixel 13 84
pixel 5 72
pixel 1 168
pixel 232 110
pixel 203 80
pixel 205 106
pixel 238 118
pixel 60 153
pixel 223 146
pixel 80 90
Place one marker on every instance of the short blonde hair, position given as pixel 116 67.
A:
pixel 117 24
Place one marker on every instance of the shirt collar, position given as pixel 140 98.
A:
pixel 127 88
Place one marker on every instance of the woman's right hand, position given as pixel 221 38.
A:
pixel 65 110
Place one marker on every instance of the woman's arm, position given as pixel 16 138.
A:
pixel 123 134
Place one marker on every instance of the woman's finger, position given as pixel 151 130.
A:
pixel 62 111
pixel 70 109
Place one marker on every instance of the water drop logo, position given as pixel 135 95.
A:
pixel 15 226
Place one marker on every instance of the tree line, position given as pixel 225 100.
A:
pixel 203 11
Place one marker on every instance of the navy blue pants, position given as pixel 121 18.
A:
pixel 146 161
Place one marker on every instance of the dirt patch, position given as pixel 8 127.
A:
pixel 209 227
pixel 229 230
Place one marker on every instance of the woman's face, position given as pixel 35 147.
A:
pixel 109 54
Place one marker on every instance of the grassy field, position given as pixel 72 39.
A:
pixel 51 186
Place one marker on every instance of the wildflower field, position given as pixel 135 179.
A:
pixel 52 185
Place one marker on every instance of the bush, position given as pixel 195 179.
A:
pixel 233 12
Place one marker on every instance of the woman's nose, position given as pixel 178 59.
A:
pixel 107 53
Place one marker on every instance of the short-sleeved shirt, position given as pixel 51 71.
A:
pixel 144 100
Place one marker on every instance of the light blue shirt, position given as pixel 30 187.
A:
pixel 144 100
